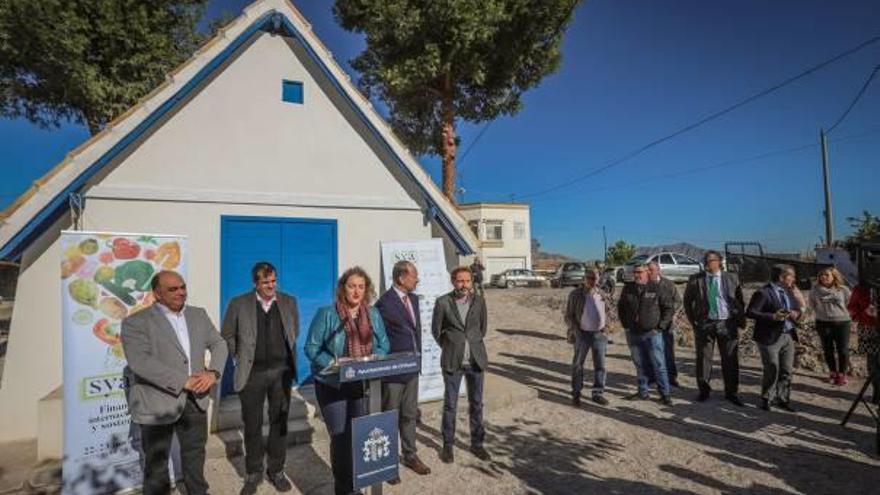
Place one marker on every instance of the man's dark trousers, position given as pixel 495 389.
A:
pixel 405 398
pixel 474 377
pixel 725 333
pixel 192 433
pixel 262 385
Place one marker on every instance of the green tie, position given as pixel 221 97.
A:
pixel 713 298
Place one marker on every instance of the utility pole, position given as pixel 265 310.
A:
pixel 605 242
pixel 829 227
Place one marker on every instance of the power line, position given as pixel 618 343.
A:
pixel 473 143
pixel 727 163
pixel 855 100
pixel 704 120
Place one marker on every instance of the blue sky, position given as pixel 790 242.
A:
pixel 634 71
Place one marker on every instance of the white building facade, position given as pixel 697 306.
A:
pixel 257 148
pixel 504 233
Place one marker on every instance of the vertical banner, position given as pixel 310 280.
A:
pixel 434 281
pixel 104 278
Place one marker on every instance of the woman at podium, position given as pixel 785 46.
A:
pixel 348 329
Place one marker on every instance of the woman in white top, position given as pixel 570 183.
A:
pixel 829 300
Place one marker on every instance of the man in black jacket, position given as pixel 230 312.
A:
pixel 644 309
pixel 713 303
pixel 459 325
pixel 399 308
pixel 776 312
pixel 260 328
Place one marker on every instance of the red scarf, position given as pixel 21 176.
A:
pixel 359 337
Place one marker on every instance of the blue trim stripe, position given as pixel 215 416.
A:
pixel 15 247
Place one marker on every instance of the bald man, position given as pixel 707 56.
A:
pixel 169 384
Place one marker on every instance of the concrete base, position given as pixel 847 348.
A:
pixel 50 421
pixel 228 438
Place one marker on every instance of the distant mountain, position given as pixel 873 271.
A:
pixel 680 247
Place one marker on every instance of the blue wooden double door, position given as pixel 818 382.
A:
pixel 304 251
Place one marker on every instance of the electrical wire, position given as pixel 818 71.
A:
pixel 704 120
pixel 855 100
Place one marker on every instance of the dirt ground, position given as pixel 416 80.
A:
pixel 541 444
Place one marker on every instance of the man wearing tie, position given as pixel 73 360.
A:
pixel 399 308
pixel 714 305
pixel 775 312
pixel 169 384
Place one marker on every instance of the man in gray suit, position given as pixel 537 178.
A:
pixel 169 384
pixel 260 328
pixel 459 325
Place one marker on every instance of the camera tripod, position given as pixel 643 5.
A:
pixel 875 414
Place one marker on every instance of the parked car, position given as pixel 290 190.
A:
pixel 567 274
pixel 518 278
pixel 610 276
pixel 674 266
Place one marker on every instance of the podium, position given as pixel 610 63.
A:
pixel 374 439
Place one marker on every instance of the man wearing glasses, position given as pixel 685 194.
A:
pixel 714 305
pixel 644 309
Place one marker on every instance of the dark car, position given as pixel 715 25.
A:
pixel 569 274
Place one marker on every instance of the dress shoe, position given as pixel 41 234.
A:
pixel 704 396
pixel 785 406
pixel 636 396
pixel 733 399
pixel 480 452
pixel 413 462
pixel 576 401
pixel 251 482
pixel 447 455
pixel 601 400
pixel 666 400
pixel 765 404
pixel 279 481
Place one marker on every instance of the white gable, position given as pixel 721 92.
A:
pixel 237 136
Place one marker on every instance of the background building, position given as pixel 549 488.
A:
pixel 504 232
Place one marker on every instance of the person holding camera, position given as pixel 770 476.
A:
pixel 864 312
pixel 776 311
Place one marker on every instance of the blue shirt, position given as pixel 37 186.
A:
pixel 720 301
pixel 782 294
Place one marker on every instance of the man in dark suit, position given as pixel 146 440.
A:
pixel 169 384
pixel 260 328
pixel 399 308
pixel 459 325
pixel 776 311
pixel 713 303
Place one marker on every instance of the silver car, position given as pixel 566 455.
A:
pixel 674 266
pixel 517 277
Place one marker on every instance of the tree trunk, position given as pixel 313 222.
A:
pixel 448 143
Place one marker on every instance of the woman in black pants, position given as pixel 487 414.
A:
pixel 829 300
pixel 351 328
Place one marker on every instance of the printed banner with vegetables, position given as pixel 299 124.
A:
pixel 104 278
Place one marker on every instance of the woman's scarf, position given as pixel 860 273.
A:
pixel 358 331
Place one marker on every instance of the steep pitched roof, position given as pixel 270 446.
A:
pixel 48 199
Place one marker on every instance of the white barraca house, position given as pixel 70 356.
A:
pixel 258 147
